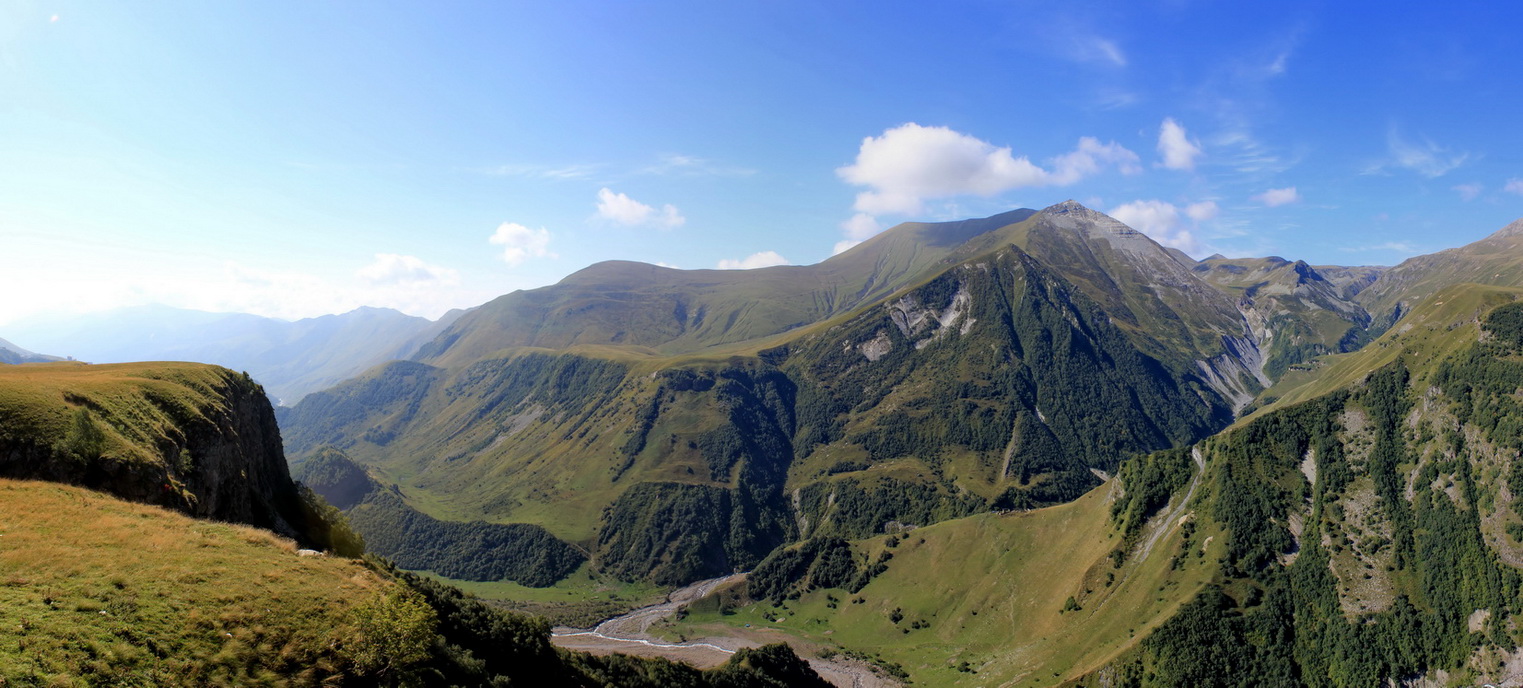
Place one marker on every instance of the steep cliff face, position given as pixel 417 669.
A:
pixel 195 438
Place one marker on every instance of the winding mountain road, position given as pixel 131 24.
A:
pixel 630 634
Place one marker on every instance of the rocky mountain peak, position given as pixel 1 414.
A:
pixel 1511 230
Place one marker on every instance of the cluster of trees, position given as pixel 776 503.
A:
pixel 1151 481
pixel 818 563
pixel 862 508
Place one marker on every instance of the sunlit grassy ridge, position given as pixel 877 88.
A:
pixel 197 438
pixel 138 406
pixel 98 591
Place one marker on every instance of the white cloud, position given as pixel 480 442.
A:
pixel 861 226
pixel 764 259
pixel 1178 151
pixel 1423 157
pixel 1514 186
pixel 624 210
pixel 1202 211
pixel 1469 192
pixel 911 163
pixel 843 246
pixel 391 268
pixel 1161 221
pixel 1278 197
pixel 1090 158
pixel 521 243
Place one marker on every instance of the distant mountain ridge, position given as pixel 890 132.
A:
pixel 10 353
pixel 291 359
pixel 1496 260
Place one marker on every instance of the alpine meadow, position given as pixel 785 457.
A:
pixel 351 346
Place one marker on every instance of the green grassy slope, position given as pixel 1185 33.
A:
pixel 98 591
pixel 1431 331
pixel 991 591
pixel 1367 533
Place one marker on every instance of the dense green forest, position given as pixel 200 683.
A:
pixel 1393 572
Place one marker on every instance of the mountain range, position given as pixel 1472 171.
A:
pixel 1033 449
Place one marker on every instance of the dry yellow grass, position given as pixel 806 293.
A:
pixel 98 591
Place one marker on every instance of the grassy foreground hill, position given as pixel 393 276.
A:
pixel 102 592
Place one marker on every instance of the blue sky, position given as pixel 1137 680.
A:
pixel 295 159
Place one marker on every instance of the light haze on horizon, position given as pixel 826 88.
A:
pixel 292 160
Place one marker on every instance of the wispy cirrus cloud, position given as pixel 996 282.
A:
pixel 1469 192
pixel 1096 49
pixel 577 171
pixel 1405 248
pixel 1421 155
pixel 689 165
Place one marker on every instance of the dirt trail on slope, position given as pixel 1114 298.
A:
pixel 1169 521
pixel 630 634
